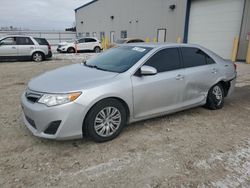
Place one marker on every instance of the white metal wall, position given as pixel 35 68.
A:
pixel 215 23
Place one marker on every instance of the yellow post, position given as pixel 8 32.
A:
pixel 178 40
pixel 155 40
pixel 147 39
pixel 235 49
pixel 248 53
pixel 103 43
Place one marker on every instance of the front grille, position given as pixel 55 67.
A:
pixel 31 122
pixel 33 96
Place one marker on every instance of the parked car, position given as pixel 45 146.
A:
pixel 87 43
pixel 128 40
pixel 125 84
pixel 24 48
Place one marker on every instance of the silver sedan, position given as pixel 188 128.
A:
pixel 125 84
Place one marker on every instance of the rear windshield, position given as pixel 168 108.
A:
pixel 41 41
pixel 118 59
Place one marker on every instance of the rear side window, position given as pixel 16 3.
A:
pixel 41 41
pixel 24 41
pixel 165 60
pixel 90 40
pixel 193 57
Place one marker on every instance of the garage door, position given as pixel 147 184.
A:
pixel 215 23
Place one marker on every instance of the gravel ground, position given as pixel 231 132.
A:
pixel 193 148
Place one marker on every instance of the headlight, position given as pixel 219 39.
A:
pixel 57 99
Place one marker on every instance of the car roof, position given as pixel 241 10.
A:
pixel 161 45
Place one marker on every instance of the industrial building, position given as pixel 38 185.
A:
pixel 211 23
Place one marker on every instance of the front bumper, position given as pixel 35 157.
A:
pixel 38 117
pixel 61 49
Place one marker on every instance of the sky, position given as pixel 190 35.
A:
pixel 39 14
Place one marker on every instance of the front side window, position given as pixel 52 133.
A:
pixel 9 41
pixel 118 59
pixel 165 60
pixel 81 41
pixel 193 57
pixel 90 40
pixel 24 41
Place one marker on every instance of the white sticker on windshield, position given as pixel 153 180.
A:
pixel 139 49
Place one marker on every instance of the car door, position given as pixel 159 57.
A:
pixel 8 47
pixel 162 92
pixel 25 46
pixel 90 43
pixel 200 74
pixel 81 45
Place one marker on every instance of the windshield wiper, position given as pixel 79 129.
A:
pixel 94 66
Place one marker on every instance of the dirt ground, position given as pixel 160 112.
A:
pixel 193 148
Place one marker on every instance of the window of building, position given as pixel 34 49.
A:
pixel 87 34
pixel 102 35
pixel 94 34
pixel 123 34
pixel 165 60
pixel 193 57
pixel 24 41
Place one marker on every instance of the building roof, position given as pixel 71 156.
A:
pixel 86 4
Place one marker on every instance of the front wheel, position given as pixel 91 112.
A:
pixel 215 98
pixel 97 49
pixel 71 50
pixel 105 120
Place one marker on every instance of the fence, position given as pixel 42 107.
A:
pixel 53 37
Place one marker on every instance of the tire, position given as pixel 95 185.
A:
pixel 215 98
pixel 71 50
pixel 97 49
pixel 38 56
pixel 100 128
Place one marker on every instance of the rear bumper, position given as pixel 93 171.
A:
pixel 49 55
pixel 232 87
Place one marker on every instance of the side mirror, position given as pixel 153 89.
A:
pixel 148 70
pixel 1 43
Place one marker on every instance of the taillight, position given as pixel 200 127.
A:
pixel 235 66
pixel 49 47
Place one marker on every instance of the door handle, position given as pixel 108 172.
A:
pixel 31 48
pixel 179 77
pixel 13 47
pixel 214 70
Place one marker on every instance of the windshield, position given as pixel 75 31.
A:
pixel 118 59
pixel 121 41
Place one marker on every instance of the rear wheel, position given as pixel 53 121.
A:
pixel 38 56
pixel 71 50
pixel 97 49
pixel 105 120
pixel 215 98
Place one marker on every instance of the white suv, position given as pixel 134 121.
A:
pixel 24 48
pixel 87 43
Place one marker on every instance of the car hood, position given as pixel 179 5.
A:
pixel 66 43
pixel 71 78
